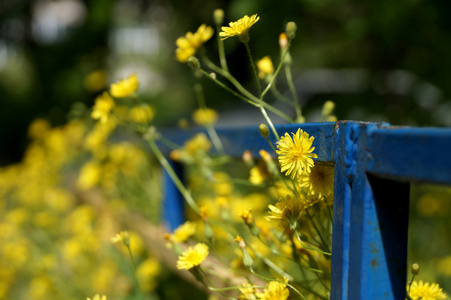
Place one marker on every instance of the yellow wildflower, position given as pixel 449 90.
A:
pixel 319 182
pixel 247 292
pixel 104 104
pixel 287 210
pixel 426 291
pixel 123 237
pixel 258 174
pixel 192 257
pixel 97 297
pixel 125 87
pixel 265 67
pixel 183 232
pixel 89 176
pixel 239 28
pixel 295 154
pixel 146 273
pixel 198 143
pixel 191 42
pixel 205 116
pixel 141 114
pixel 275 291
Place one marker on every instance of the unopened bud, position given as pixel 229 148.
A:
pixel 218 16
pixel 213 75
pixel 264 131
pixel 415 269
pixel 247 259
pixel 328 108
pixel 291 30
pixel 193 62
pixel 208 231
pixel 283 40
pixel 247 158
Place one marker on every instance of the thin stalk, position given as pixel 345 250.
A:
pixel 165 164
pixel 251 99
pixel 325 245
pixel 309 248
pixel 279 95
pixel 254 68
pixel 134 271
pixel 284 55
pixel 293 91
pixel 265 115
pixel 222 57
pixel 215 138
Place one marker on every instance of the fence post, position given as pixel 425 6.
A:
pixel 369 251
pixel 173 204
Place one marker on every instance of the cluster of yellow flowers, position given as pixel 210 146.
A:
pixel 59 207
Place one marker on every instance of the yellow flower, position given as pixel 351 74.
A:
pixel 125 87
pixel 295 154
pixel 265 67
pixel 123 237
pixel 89 176
pixel 191 42
pixel 104 104
pixel 258 174
pixel 183 232
pixel 141 114
pixel 146 273
pixel 198 143
pixel 275 291
pixel 247 292
pixel 319 182
pixel 239 28
pixel 97 297
pixel 426 291
pixel 287 210
pixel 205 116
pixel 192 257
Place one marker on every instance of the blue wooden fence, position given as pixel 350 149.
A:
pixel 374 165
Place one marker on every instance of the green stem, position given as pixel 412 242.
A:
pixel 293 91
pixel 254 68
pixel 248 97
pixel 284 55
pixel 325 245
pixel 165 164
pixel 222 57
pixel 215 138
pixel 134 271
pixel 309 248
pixel 279 95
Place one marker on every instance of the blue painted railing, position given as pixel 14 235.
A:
pixel 374 165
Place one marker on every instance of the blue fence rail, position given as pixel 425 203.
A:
pixel 374 166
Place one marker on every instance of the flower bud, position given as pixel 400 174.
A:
pixel 415 269
pixel 291 30
pixel 193 62
pixel 247 259
pixel 208 231
pixel 328 108
pixel 218 16
pixel 247 158
pixel 264 131
pixel 283 40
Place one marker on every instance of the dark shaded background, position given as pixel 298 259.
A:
pixel 378 60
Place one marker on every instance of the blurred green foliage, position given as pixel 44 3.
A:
pixel 44 79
